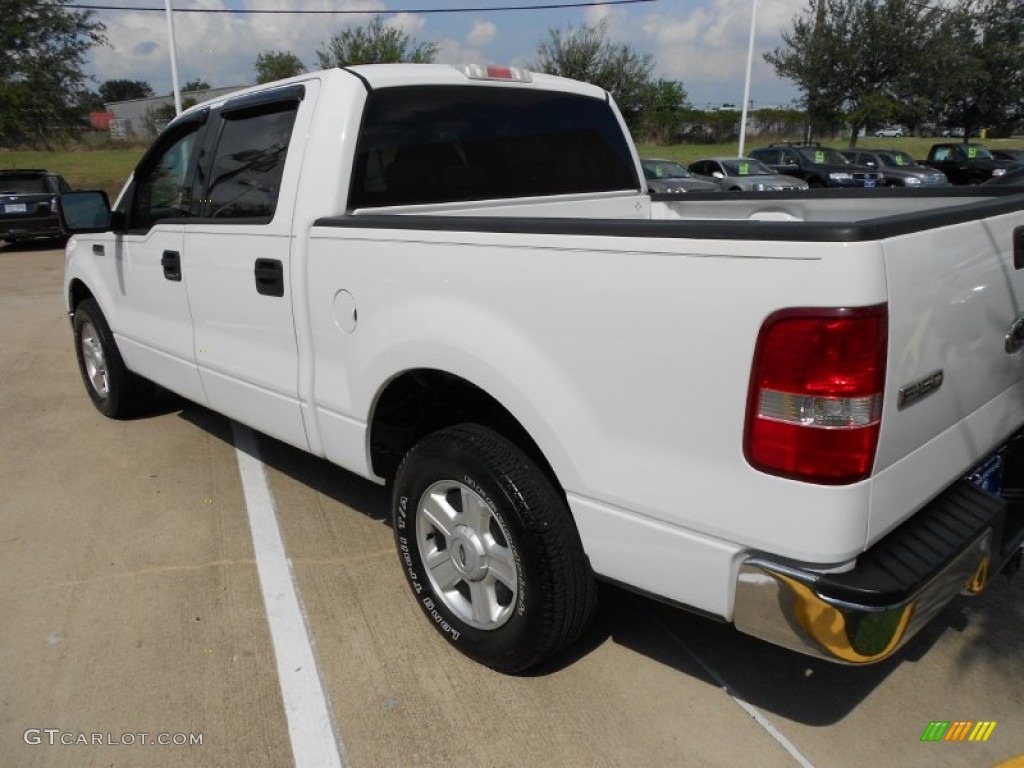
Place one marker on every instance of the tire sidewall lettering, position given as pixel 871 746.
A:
pixel 406 501
pixel 471 482
pixel 554 599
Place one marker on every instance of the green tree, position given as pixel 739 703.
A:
pixel 376 43
pixel 86 101
pixel 663 108
pixel 586 54
pixel 195 85
pixel 980 82
pixel 44 46
pixel 158 117
pixel 277 65
pixel 124 90
pixel 854 60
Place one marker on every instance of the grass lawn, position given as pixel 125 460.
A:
pixel 104 169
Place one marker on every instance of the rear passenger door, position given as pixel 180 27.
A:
pixel 239 259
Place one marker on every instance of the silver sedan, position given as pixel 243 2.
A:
pixel 744 174
pixel 670 177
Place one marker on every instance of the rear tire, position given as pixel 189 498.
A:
pixel 114 390
pixel 490 549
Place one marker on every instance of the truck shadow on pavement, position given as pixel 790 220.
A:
pixel 973 634
pixel 776 680
pixel 365 497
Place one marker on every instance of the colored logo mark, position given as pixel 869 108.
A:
pixel 958 730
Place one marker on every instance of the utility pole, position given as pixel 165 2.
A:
pixel 174 58
pixel 746 84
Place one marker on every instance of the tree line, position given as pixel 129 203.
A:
pixel 865 63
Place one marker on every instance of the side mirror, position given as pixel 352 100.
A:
pixel 83 212
pixel 718 174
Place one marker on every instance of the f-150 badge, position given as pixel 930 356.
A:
pixel 918 390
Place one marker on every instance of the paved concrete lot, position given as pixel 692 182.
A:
pixel 131 604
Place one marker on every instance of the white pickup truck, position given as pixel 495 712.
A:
pixel 797 412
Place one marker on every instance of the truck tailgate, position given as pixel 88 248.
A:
pixel 954 385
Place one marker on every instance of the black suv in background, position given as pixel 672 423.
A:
pixel 28 204
pixel 817 165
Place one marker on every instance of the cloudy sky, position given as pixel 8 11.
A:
pixel 703 43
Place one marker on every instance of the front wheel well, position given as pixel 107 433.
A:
pixel 420 402
pixel 77 293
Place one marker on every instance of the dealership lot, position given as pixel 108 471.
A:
pixel 131 603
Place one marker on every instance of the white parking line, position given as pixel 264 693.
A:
pixel 747 707
pixel 310 727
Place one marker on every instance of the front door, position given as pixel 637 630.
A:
pixel 153 323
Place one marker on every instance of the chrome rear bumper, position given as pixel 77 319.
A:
pixel 953 546
pixel 783 606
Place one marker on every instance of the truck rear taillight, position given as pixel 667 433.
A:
pixel 815 401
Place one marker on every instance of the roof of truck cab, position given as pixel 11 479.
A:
pixel 375 76
pixel 394 75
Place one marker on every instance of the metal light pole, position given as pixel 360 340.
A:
pixel 746 85
pixel 174 58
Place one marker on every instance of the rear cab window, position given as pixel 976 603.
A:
pixel 437 144
pixel 242 180
pixel 25 184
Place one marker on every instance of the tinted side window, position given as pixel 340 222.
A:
pixel 161 190
pixel 432 144
pixel 244 180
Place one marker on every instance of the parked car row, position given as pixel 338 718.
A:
pixel 799 165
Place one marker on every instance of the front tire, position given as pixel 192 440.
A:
pixel 114 390
pixel 490 549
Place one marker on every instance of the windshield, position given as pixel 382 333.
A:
pixel 896 159
pixel 746 166
pixel 823 156
pixel 664 169
pixel 23 185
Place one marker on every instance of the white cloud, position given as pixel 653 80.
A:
pixel 409 23
pixel 451 51
pixel 482 33
pixel 703 43
pixel 221 48
pixel 706 48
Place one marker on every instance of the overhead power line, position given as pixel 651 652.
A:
pixel 478 9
